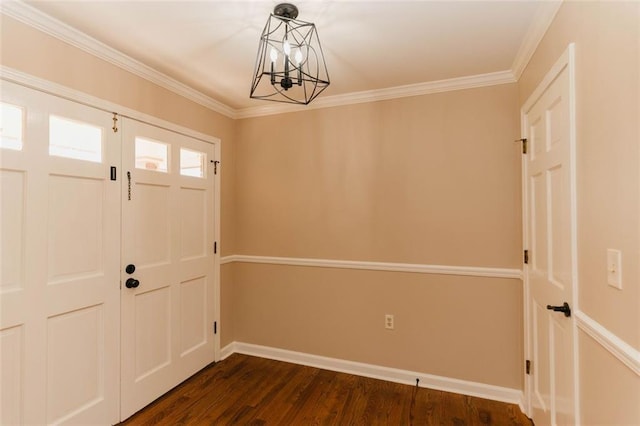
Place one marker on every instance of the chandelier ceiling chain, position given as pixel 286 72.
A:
pixel 290 65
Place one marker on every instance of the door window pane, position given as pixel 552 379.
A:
pixel 192 163
pixel 151 155
pixel 11 124
pixel 74 139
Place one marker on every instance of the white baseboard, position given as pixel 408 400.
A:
pixel 480 390
pixel 227 351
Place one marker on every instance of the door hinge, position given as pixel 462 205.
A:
pixel 115 122
pixel 526 257
pixel 113 173
pixel 215 327
pixel 524 144
pixel 527 366
pixel 215 247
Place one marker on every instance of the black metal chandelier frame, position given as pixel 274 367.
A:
pixel 282 36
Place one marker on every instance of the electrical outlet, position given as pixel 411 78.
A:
pixel 388 322
pixel 614 268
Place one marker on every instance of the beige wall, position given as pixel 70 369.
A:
pixel 33 52
pixel 466 328
pixel 609 390
pixel 227 298
pixel 430 179
pixel 607 37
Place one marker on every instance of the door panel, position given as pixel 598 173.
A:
pixel 11 368
pixel 153 331
pixel 74 348
pixel 75 227
pixel 168 234
pixel 549 191
pixel 59 296
pixel 193 327
pixel 152 233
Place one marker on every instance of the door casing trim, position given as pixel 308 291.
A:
pixel 565 61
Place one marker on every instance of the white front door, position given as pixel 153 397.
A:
pixel 549 176
pixel 60 256
pixel 168 238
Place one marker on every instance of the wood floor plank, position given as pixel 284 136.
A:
pixel 245 390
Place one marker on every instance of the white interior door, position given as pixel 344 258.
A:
pixel 59 288
pixel 549 175
pixel 168 236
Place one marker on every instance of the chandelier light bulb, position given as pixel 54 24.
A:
pixel 286 47
pixel 274 55
pixel 298 57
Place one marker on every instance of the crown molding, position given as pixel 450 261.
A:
pixel 538 28
pixel 430 87
pixel 55 28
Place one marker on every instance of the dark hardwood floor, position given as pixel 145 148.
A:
pixel 245 390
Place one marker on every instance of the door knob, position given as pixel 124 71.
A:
pixel 132 283
pixel 130 269
pixel 564 308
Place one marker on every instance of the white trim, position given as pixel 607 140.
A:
pixel 217 199
pixel 46 86
pixel 562 62
pixel 480 390
pixel 472 271
pixel 460 83
pixel 526 296
pixel 573 126
pixel 227 351
pixel 542 21
pixel 623 351
pixel 55 28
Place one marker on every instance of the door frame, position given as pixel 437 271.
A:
pixel 29 81
pixel 565 61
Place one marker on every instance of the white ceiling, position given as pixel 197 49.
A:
pixel 368 45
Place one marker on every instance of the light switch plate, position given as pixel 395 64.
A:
pixel 614 268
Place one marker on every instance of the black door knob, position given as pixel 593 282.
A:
pixel 132 283
pixel 130 269
pixel 564 308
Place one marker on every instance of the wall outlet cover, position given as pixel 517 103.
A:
pixel 614 268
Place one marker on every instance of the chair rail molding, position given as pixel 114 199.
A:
pixel 620 349
pixel 472 271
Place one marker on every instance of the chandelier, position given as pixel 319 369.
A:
pixel 290 65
